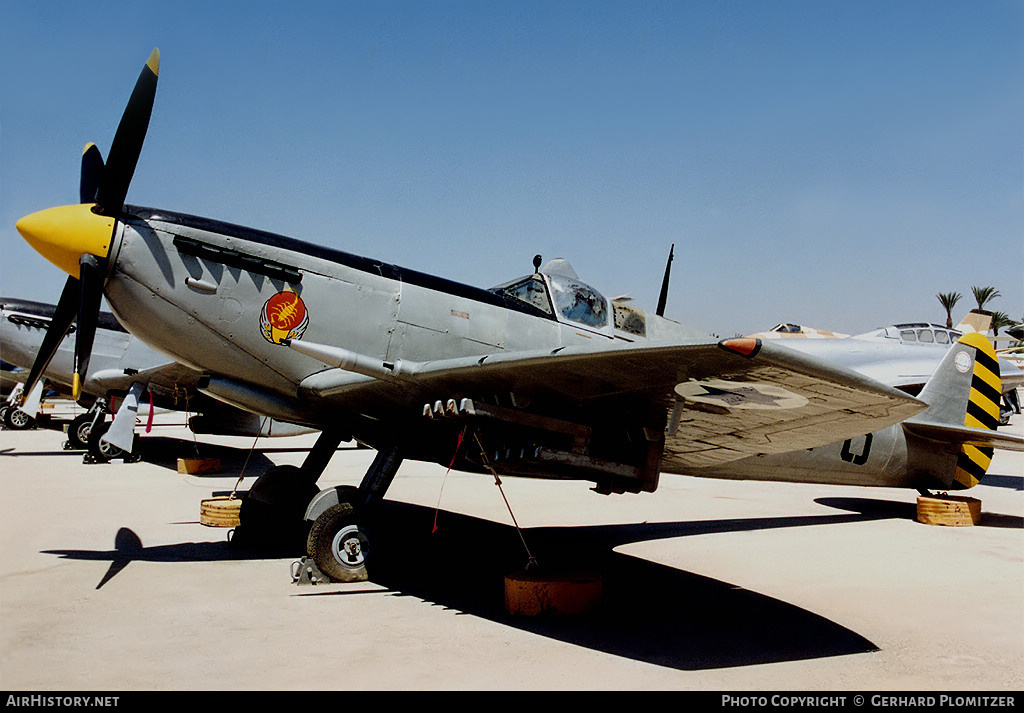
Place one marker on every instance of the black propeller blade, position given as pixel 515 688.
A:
pixel 63 317
pixel 90 281
pixel 664 283
pixel 107 186
pixel 127 144
pixel 92 172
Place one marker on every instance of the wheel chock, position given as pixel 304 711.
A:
pixel 948 510
pixel 534 594
pixel 89 459
pixel 220 511
pixel 198 466
pixel 305 572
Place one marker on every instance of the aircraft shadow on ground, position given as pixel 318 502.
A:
pixel 648 611
pixel 908 511
pixel 1010 482
pixel 164 452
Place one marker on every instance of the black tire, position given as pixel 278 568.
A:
pixel 78 432
pixel 17 420
pixel 346 494
pixel 339 544
pixel 101 450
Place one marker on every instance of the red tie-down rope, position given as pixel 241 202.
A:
pixel 149 419
pixel 458 444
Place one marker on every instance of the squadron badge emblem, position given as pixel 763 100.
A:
pixel 283 317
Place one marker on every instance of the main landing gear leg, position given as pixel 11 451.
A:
pixel 272 512
pixel 338 546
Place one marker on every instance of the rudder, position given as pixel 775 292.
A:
pixel 965 391
pixel 982 411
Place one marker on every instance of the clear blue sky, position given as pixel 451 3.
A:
pixel 832 163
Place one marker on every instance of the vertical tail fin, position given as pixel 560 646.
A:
pixel 964 392
pixel 977 320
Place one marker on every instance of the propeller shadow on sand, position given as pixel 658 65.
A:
pixel 649 612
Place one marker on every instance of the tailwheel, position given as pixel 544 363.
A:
pixel 338 544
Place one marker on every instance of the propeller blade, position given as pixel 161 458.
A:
pixel 90 280
pixel 663 297
pixel 128 140
pixel 63 317
pixel 92 173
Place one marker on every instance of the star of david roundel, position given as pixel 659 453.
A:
pixel 740 394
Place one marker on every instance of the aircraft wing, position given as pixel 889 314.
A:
pixel 163 378
pixel 718 401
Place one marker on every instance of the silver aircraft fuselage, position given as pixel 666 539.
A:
pixel 207 286
pixel 220 298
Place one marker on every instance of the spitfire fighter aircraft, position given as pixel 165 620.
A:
pixel 541 376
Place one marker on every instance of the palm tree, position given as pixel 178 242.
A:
pixel 1000 320
pixel 984 294
pixel 948 301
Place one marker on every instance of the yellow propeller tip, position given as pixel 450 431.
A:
pixel 154 62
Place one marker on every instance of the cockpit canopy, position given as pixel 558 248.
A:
pixel 557 291
pixel 917 332
pixel 787 328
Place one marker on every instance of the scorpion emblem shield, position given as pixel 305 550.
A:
pixel 283 316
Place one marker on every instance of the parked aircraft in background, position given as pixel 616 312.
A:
pixel 902 355
pixel 541 376
pixel 118 361
pixel 788 330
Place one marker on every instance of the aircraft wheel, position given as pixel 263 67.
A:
pixel 339 545
pixel 273 510
pixel 3 412
pixel 101 450
pixel 78 432
pixel 17 420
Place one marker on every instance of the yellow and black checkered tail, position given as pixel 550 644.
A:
pixel 982 411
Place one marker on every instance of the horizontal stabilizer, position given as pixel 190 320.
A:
pixel 966 436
